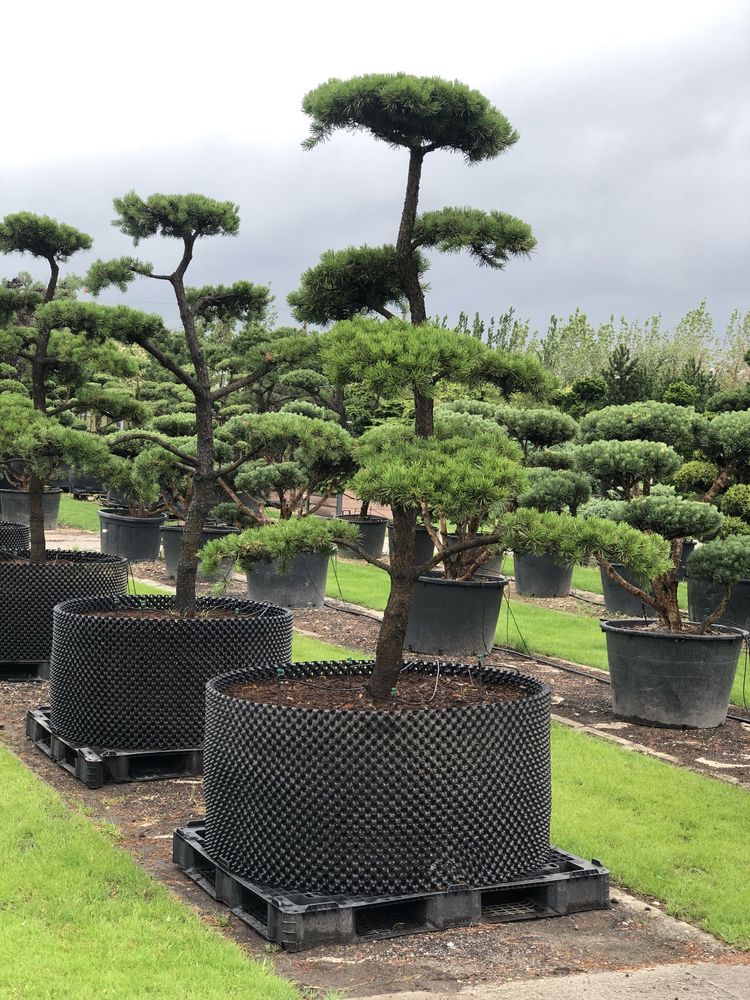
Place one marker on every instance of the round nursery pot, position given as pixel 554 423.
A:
pixel 14 506
pixel 29 591
pixel 705 597
pixel 14 536
pixel 378 802
pixel 124 673
pixel 135 538
pixel 300 583
pixel 81 484
pixel 618 601
pixel 371 535
pixel 541 576
pixel 671 679
pixel 687 550
pixel 171 537
pixel 423 545
pixel 454 617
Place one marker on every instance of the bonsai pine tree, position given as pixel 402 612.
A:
pixel 57 374
pixel 678 426
pixel 188 219
pixel 555 490
pixel 422 115
pixel 727 444
pixel 533 429
pixel 627 466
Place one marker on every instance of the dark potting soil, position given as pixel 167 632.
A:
pixel 161 613
pixel 413 691
pixel 688 628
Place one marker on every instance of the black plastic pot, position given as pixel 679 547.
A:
pixel 301 583
pixel 378 803
pixel 619 601
pixel 139 683
pixel 492 567
pixel 81 484
pixel 371 535
pixel 135 538
pixel 13 536
pixel 29 591
pixel 705 597
pixel 541 576
pixel 423 545
pixel 171 537
pixel 14 506
pixel 454 617
pixel 687 550
pixel 671 679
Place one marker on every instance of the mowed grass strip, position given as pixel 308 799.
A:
pixel 661 830
pixel 80 921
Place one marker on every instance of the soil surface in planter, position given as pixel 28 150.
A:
pixel 630 935
pixel 161 613
pixel 414 691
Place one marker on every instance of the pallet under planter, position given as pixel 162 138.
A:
pixel 297 920
pixel 24 670
pixel 96 766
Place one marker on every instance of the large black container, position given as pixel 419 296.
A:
pixel 672 679
pixel 619 601
pixel 705 597
pixel 138 682
pixel 378 802
pixel 371 535
pixel 541 576
pixel 454 617
pixel 171 538
pixel 301 583
pixel 424 548
pixel 135 538
pixel 14 506
pixel 29 591
pixel 13 536
pixel 83 485
pixel 687 550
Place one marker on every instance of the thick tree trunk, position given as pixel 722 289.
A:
pixel 36 518
pixel 389 650
pixel 720 483
pixel 407 261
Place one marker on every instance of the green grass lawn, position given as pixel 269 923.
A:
pixel 662 831
pixel 79 513
pixel 80 921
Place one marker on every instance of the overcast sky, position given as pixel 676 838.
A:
pixel 633 166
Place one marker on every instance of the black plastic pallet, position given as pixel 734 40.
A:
pixel 296 920
pixel 96 766
pixel 24 670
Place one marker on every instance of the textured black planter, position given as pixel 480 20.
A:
pixel 541 576
pixel 705 597
pixel 423 545
pixel 618 601
pixel 171 537
pixel 13 536
pixel 671 679
pixel 29 591
pixel 378 802
pixel 371 535
pixel 85 485
pixel 454 617
pixel 138 682
pixel 135 538
pixel 14 506
pixel 301 583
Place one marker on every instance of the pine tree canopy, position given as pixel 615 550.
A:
pixel 40 236
pixel 414 111
pixel 179 216
pixel 491 238
pixel 346 282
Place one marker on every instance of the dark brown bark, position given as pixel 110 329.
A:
pixel 407 261
pixel 721 482
pixel 423 415
pixel 389 650
pixel 718 611
pixel 36 518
